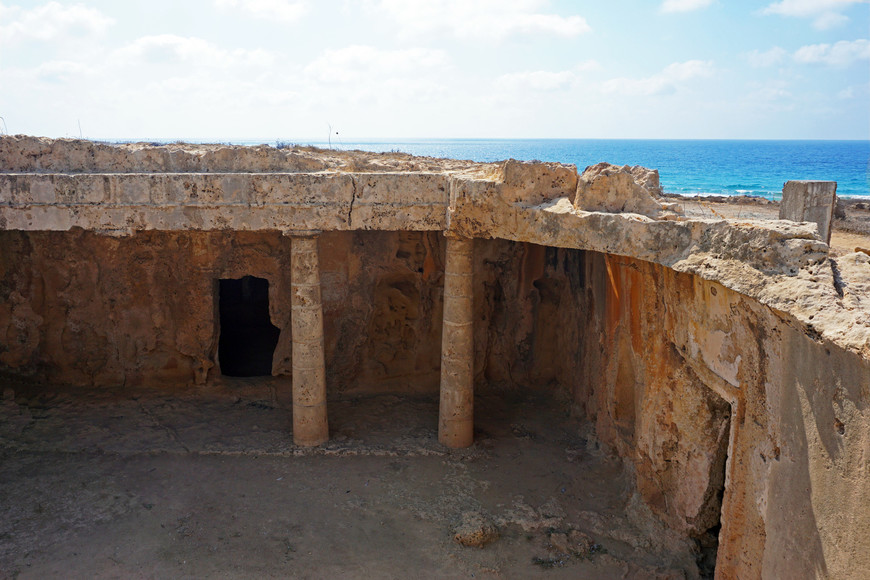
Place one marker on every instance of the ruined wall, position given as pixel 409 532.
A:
pixel 529 303
pixel 686 370
pixel 382 308
pixel 27 154
pixel 82 308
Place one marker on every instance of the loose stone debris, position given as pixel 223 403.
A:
pixel 475 530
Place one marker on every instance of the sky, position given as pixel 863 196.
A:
pixel 290 70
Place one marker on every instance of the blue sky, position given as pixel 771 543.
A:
pixel 287 69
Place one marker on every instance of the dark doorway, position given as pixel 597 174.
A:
pixel 711 517
pixel 248 338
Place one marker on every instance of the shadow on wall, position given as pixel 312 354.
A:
pixel 819 500
pixel 529 307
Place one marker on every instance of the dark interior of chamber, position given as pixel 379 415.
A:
pixel 247 336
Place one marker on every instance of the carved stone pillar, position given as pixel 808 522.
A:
pixel 310 426
pixel 456 413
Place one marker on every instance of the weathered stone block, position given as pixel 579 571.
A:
pixel 810 201
pixel 533 183
pixel 610 188
pixel 401 188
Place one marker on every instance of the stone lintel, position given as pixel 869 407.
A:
pixel 221 201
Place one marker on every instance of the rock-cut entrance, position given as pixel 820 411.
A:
pixel 247 336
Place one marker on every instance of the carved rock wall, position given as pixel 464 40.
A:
pixel 382 301
pixel 529 303
pixel 82 308
pixel 681 367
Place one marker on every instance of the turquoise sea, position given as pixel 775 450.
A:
pixel 687 167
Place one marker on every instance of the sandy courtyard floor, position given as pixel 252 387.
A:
pixel 207 483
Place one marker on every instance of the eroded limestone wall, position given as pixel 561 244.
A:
pixel 382 301
pixel 82 308
pixel 686 370
pixel 530 303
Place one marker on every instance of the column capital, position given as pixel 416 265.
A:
pixel 451 235
pixel 114 232
pixel 301 233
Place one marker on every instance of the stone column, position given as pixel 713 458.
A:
pixel 810 201
pixel 310 425
pixel 456 414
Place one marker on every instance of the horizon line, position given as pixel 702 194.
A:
pixel 340 143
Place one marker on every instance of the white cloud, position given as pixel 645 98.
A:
pixel 684 5
pixel 167 49
pixel 767 58
pixel 664 82
pixel 825 13
pixel 840 54
pixel 760 100
pixel 284 10
pixel 365 63
pixel 544 80
pixel 62 71
pixel 364 81
pixel 771 92
pixel 847 93
pixel 857 92
pixel 807 8
pixel 828 20
pixel 539 80
pixel 488 19
pixel 49 22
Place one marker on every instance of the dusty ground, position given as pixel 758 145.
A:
pixel 850 232
pixel 207 483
